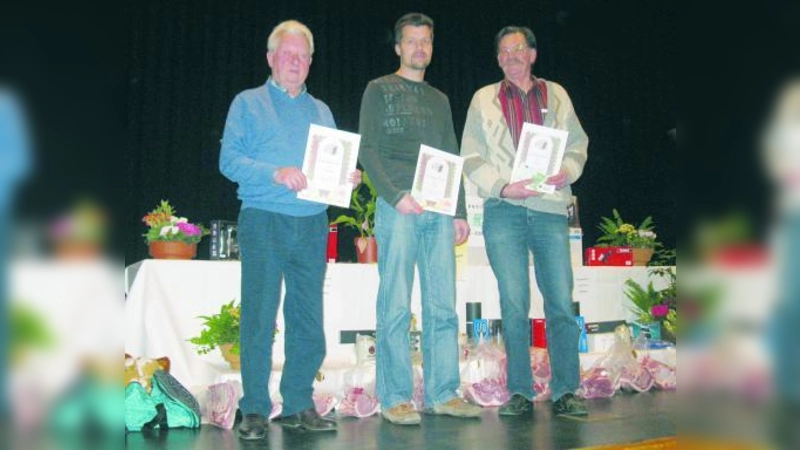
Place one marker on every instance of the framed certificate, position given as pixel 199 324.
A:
pixel 330 158
pixel 437 179
pixel 539 155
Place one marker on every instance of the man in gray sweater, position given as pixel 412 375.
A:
pixel 398 113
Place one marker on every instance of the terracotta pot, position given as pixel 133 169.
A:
pixel 172 250
pixel 77 250
pixel 641 256
pixel 233 360
pixel 366 249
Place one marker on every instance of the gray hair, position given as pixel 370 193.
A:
pixel 525 31
pixel 291 27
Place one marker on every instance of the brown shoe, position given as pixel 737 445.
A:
pixel 457 407
pixel 402 414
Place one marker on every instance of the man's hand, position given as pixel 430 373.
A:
pixel 461 230
pixel 407 205
pixel 291 177
pixel 518 190
pixel 558 180
pixel 355 178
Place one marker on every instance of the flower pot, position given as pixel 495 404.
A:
pixel 172 250
pixel 77 250
pixel 641 256
pixel 366 249
pixel 233 360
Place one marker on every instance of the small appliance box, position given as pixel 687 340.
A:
pixel 609 256
pixel 223 244
pixel 576 246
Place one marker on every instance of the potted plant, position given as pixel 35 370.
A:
pixel 170 236
pixel 656 308
pixel 79 233
pixel 642 239
pixel 362 218
pixel 221 330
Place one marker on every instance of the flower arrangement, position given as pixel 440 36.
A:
pixel 617 232
pixel 219 329
pixel 165 225
pixel 84 222
pixel 651 305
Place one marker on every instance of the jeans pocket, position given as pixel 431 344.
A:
pixel 492 202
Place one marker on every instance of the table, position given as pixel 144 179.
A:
pixel 164 299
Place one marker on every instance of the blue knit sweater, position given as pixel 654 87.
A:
pixel 267 129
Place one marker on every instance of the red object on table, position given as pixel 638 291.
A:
pixel 333 243
pixel 609 256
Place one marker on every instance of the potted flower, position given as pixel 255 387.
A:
pixel 618 233
pixel 656 308
pixel 362 204
pixel 79 233
pixel 221 330
pixel 171 236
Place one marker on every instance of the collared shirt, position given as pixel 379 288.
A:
pixel 284 90
pixel 520 106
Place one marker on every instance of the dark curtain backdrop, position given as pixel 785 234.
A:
pixel 188 60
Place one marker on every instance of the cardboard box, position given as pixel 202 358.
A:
pixel 609 256
pixel 576 246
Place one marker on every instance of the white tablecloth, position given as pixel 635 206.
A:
pixel 164 299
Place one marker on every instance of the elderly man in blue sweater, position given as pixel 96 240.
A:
pixel 14 165
pixel 280 236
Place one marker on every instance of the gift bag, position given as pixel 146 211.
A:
pixel 167 405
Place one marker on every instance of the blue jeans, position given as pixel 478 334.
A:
pixel 273 247
pixel 510 231
pixel 786 333
pixel 427 240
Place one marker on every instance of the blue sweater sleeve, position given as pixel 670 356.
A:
pixel 14 146
pixel 237 161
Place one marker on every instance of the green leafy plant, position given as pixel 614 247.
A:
pixel 221 328
pixel 28 331
pixel 617 232
pixel 165 225
pixel 362 206
pixel 656 305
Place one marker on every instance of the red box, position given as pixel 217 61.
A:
pixel 539 333
pixel 333 243
pixel 609 256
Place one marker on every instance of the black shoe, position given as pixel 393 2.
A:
pixel 516 406
pixel 253 427
pixel 570 405
pixel 308 420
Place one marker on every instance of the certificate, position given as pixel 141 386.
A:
pixel 437 179
pixel 539 155
pixel 330 158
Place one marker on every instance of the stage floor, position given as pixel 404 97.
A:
pixel 624 418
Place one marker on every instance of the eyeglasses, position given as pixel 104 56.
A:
pixel 414 42
pixel 513 51
pixel 290 56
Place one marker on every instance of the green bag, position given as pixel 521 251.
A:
pixel 169 404
pixel 140 409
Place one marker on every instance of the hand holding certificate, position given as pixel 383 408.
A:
pixel 539 155
pixel 437 179
pixel 330 158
